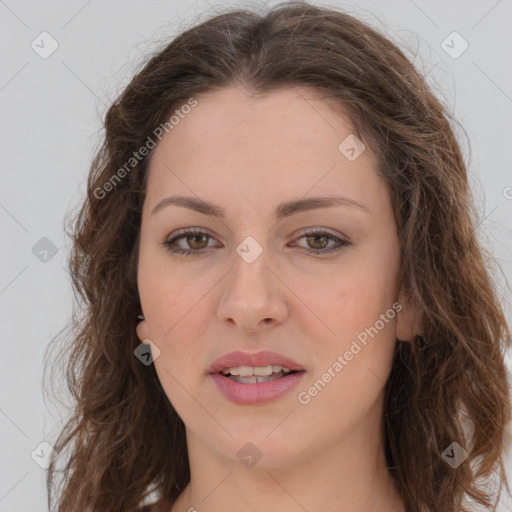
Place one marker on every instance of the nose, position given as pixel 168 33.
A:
pixel 254 295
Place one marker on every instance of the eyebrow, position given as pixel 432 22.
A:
pixel 283 210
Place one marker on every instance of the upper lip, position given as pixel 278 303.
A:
pixel 264 358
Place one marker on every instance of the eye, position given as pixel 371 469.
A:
pixel 319 238
pixel 193 237
pixel 198 241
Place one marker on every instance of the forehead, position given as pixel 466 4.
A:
pixel 233 115
pixel 284 143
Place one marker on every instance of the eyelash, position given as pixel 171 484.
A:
pixel 194 232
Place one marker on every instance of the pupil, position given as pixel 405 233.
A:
pixel 316 237
pixel 194 237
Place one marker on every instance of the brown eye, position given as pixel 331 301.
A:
pixel 196 240
pixel 318 242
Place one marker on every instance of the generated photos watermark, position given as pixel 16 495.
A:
pixel 304 397
pixel 143 151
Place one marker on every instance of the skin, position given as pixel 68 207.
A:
pixel 248 155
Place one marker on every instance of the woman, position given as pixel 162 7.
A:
pixel 287 304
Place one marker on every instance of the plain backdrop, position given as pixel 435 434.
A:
pixel 51 118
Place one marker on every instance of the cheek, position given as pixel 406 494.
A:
pixel 352 295
pixel 178 313
pixel 352 367
pixel 168 297
pixel 369 322
pixel 357 306
pixel 370 281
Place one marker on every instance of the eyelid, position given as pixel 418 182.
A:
pixel 191 230
pixel 340 240
pixel 316 229
pixel 302 232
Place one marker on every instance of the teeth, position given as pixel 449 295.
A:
pixel 259 371
pixel 253 379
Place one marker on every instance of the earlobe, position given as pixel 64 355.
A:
pixel 409 322
pixel 143 330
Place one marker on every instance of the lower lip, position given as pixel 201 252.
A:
pixel 257 393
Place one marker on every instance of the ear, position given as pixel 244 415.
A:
pixel 409 322
pixel 143 331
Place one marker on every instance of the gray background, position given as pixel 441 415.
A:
pixel 51 111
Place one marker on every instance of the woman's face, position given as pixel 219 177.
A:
pixel 249 284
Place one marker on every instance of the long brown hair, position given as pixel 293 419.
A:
pixel 124 440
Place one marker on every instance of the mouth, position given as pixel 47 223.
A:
pixel 256 389
pixel 255 375
pixel 259 364
pixel 255 378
